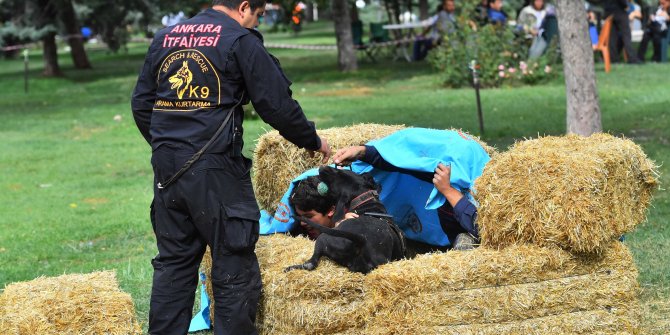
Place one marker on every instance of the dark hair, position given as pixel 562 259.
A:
pixel 306 197
pixel 232 4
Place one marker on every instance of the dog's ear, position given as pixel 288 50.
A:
pixel 340 209
pixel 370 182
pixel 327 174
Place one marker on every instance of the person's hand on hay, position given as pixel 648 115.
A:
pixel 324 150
pixel 348 155
pixel 443 185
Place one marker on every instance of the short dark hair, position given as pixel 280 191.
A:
pixel 232 4
pixel 306 197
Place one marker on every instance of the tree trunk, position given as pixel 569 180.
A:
pixel 42 13
pixel 309 12
pixel 51 68
pixel 583 110
pixel 74 38
pixel 395 5
pixel 346 55
pixel 423 9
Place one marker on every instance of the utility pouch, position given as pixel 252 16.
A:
pixel 237 143
pixel 241 226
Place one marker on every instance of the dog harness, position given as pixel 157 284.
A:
pixel 363 198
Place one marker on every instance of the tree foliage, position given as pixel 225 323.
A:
pixel 501 55
pixel 20 23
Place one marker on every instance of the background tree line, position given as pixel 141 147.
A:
pixel 42 20
pixel 29 21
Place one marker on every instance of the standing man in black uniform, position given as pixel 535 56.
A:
pixel 188 96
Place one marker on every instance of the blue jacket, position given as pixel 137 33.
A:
pixel 496 16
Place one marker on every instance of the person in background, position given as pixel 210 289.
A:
pixel 444 22
pixel 656 31
pixel 530 18
pixel 618 9
pixel 480 15
pixel 592 18
pixel 529 24
pixel 495 13
pixel 634 16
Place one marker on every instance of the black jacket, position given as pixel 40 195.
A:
pixel 197 70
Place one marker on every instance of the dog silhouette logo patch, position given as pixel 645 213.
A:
pixel 181 80
pixel 187 81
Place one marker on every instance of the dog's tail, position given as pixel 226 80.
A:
pixel 359 240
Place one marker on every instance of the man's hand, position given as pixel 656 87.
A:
pixel 441 178
pixel 348 155
pixel 324 150
pixel 442 184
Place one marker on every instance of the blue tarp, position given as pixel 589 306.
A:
pixel 201 320
pixel 412 202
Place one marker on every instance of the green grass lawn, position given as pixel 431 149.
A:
pixel 76 183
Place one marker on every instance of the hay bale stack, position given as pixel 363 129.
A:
pixel 579 323
pixel 69 304
pixel 521 289
pixel 578 193
pixel 277 161
pixel 518 290
pixel 329 300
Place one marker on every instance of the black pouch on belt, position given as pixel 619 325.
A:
pixel 237 143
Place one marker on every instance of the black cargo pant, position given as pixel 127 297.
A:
pixel 211 204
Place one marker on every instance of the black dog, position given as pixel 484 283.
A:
pixel 360 244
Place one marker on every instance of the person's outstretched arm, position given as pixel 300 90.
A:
pixel 370 155
pixel 270 93
pixel 465 212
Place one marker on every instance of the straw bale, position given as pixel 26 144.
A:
pixel 499 287
pixel 578 193
pixel 521 289
pixel 597 322
pixel 69 304
pixel 327 300
pixel 277 161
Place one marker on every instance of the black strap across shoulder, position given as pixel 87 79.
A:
pixel 197 155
